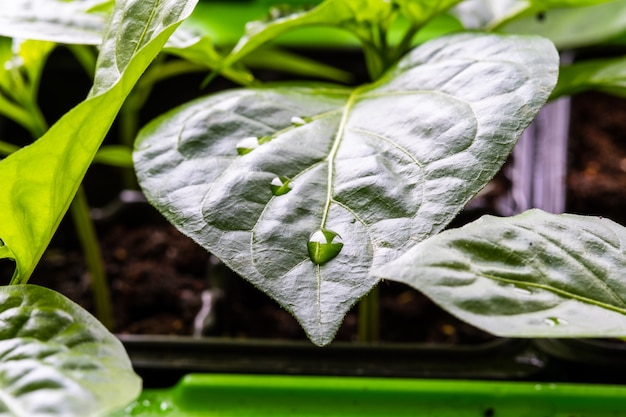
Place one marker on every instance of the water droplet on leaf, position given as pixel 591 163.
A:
pixel 247 145
pixel 280 185
pixel 299 121
pixel 324 245
pixel 522 290
pixel 554 321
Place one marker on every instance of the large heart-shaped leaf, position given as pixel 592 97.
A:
pixel 532 275
pixel 57 360
pixel 265 178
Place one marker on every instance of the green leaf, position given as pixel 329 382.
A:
pixel 358 16
pixel 39 181
pixel 21 66
pixel 607 75
pixel 383 166
pixel 532 275
pixel 58 360
pixel 198 49
pixel 487 14
pixel 421 11
pixel 61 21
pixel 571 28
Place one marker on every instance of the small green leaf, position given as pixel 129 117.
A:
pixel 57 360
pixel 384 165
pixel 198 49
pixel 21 66
pixel 532 275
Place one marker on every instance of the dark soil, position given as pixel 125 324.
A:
pixel 157 276
pixel 596 182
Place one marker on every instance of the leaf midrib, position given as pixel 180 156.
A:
pixel 554 290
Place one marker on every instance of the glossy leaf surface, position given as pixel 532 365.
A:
pixel 57 360
pixel 532 275
pixel 383 166
pixel 39 181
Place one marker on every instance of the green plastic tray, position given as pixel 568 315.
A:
pixel 204 395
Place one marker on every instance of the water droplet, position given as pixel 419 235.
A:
pixel 324 245
pixel 164 406
pixel 522 290
pixel 148 406
pixel 554 321
pixel 300 120
pixel 280 185
pixel 247 145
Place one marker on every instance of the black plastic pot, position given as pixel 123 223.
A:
pixel 162 360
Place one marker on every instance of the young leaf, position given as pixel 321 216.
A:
pixel 57 360
pixel 199 49
pixel 39 181
pixel 421 11
pixel 358 16
pixel 61 21
pixel 532 275
pixel 21 65
pixel 304 188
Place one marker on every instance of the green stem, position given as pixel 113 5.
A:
pixel 405 43
pixel 373 61
pixel 369 317
pixel 87 234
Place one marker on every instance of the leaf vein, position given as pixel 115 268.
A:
pixel 580 260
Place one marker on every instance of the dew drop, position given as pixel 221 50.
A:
pixel 554 321
pixel 324 245
pixel 247 145
pixel 521 290
pixel 280 185
pixel 299 121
